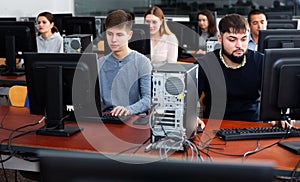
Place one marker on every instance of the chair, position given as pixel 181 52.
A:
pixel 17 95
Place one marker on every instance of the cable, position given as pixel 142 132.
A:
pixel 9 147
pixel 294 172
pixel 251 152
pixel 134 147
pixel 141 145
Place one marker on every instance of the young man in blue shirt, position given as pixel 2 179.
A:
pixel 124 74
pixel 257 20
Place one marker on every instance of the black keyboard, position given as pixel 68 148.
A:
pixel 108 118
pixel 257 133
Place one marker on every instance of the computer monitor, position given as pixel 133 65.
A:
pixel 187 34
pixel 80 25
pixel 58 20
pixel 140 40
pixel 275 15
pixel 278 38
pixel 8 18
pixel 27 18
pixel 60 84
pixel 16 38
pixel 280 97
pixel 78 166
pixel 282 24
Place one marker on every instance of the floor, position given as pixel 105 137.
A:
pixel 13 176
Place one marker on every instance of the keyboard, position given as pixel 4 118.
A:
pixel 108 118
pixel 256 133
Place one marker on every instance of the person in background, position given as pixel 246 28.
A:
pixel 124 74
pixel 164 44
pixel 208 29
pixel 257 20
pixel 49 39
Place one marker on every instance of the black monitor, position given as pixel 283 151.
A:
pixel 140 40
pixel 77 166
pixel 278 38
pixel 282 24
pixel 275 15
pixel 16 38
pixel 54 90
pixel 27 18
pixel 80 25
pixel 187 34
pixel 280 98
pixel 58 20
pixel 8 18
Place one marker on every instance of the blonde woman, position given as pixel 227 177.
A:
pixel 164 44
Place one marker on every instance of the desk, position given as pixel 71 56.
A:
pixel 111 138
pixel 12 80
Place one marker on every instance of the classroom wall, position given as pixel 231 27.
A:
pixel 32 8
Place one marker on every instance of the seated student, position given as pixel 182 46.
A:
pixel 257 20
pixel 208 29
pixel 164 44
pixel 49 39
pixel 240 70
pixel 124 74
pixel 231 77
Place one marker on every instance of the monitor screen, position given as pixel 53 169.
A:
pixel 59 84
pixel 282 24
pixel 140 40
pixel 8 18
pixel 278 38
pixel 16 38
pixel 80 25
pixel 281 84
pixel 78 166
pixel 58 20
pixel 275 15
pixel 187 34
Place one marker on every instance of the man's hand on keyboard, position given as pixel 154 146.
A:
pixel 120 111
pixel 283 123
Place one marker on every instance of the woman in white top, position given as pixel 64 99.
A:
pixel 49 39
pixel 164 44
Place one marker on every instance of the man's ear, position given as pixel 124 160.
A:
pixel 130 33
pixel 220 39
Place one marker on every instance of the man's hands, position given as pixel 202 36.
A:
pixel 200 123
pixel 283 124
pixel 120 111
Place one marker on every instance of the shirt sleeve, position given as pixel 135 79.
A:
pixel 172 49
pixel 145 90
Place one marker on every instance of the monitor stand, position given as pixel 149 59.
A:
pixel 54 122
pixel 66 131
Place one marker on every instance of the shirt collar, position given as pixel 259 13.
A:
pixel 227 66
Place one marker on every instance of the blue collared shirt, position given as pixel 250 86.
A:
pixel 125 82
pixel 252 45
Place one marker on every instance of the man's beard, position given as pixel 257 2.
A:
pixel 235 59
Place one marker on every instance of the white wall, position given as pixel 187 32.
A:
pixel 32 8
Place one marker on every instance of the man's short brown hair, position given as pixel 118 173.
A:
pixel 119 18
